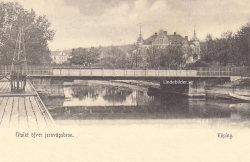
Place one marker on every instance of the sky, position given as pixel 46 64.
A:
pixel 86 23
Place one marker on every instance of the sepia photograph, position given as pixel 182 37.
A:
pixel 124 80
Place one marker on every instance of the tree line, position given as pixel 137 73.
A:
pixel 231 49
pixel 111 56
pixel 36 29
pixel 127 56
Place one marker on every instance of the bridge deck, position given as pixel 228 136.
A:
pixel 72 72
pixel 127 74
pixel 24 110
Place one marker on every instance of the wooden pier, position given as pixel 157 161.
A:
pixel 22 110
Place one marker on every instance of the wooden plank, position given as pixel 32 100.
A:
pixel 44 113
pixel 23 119
pixel 7 113
pixel 49 120
pixel 32 121
pixel 14 121
pixel 40 119
pixel 2 107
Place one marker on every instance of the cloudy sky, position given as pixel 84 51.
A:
pixel 84 23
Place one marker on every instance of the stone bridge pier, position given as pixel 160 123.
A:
pixel 188 87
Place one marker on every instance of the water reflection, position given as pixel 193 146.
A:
pixel 96 94
pixel 106 100
pixel 115 95
pixel 83 92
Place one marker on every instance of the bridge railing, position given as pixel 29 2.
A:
pixel 121 72
pixel 240 71
pixel 31 70
pixel 142 71
pixel 213 73
pixel 39 70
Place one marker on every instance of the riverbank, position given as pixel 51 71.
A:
pixel 240 86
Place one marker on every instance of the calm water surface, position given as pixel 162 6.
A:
pixel 106 100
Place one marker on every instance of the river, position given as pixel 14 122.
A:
pixel 104 100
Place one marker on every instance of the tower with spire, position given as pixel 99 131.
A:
pixel 196 49
pixel 195 37
pixel 139 54
pixel 140 39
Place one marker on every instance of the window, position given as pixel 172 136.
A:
pixel 161 41
pixel 54 58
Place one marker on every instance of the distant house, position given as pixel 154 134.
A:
pixel 191 49
pixel 59 57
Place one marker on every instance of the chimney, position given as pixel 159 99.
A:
pixel 174 33
pixel 166 32
pixel 155 33
pixel 186 37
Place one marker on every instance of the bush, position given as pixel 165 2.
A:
pixel 199 63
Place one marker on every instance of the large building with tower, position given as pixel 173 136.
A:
pixel 162 39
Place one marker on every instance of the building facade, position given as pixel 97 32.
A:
pixel 59 57
pixel 190 48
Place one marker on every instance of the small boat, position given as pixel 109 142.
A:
pixel 239 97
pixel 224 97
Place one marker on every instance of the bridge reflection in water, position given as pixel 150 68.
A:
pixel 106 100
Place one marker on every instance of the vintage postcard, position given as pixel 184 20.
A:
pixel 124 80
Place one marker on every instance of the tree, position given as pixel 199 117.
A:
pixel 207 49
pixel 136 57
pixel 82 56
pixel 176 55
pixel 153 58
pixel 224 48
pixel 36 29
pixel 167 56
pixel 230 48
pixel 242 40
pixel 114 57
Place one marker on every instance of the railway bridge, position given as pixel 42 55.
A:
pixel 188 81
